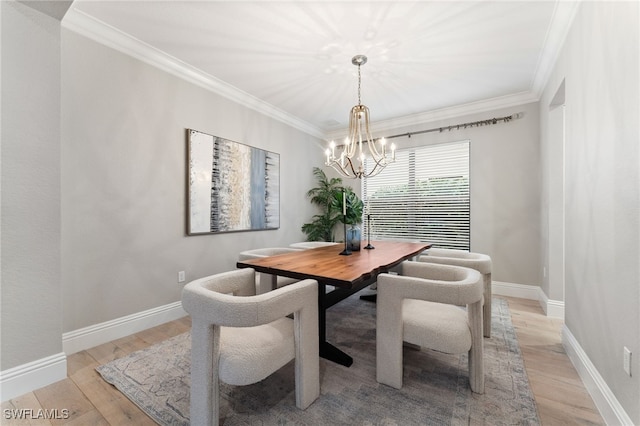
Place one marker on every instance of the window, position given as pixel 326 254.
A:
pixel 424 196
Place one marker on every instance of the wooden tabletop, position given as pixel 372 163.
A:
pixel 325 264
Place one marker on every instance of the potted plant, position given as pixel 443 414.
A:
pixel 328 196
pixel 324 196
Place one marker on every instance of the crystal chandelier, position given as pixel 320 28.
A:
pixel 350 162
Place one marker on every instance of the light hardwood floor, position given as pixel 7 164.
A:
pixel 560 395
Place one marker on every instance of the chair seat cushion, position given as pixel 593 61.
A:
pixel 250 354
pixel 444 328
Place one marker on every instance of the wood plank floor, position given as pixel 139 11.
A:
pixel 559 392
pixel 560 395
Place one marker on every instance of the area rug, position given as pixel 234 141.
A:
pixel 435 389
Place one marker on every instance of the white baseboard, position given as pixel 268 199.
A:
pixel 32 375
pixel 552 308
pixel 94 335
pixel 606 402
pixel 515 290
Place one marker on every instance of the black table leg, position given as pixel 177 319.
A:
pixel 373 297
pixel 327 350
pixel 331 353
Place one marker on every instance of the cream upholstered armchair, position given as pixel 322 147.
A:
pixel 264 281
pixel 419 307
pixel 479 262
pixel 242 338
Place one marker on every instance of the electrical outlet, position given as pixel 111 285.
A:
pixel 544 272
pixel 626 360
pixel 181 277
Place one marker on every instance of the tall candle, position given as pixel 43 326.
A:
pixel 344 203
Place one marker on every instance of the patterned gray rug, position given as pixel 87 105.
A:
pixel 435 392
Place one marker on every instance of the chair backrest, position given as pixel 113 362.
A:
pixel 229 299
pixel 264 252
pixel 478 261
pixel 443 283
pixel 263 281
pixel 217 299
pixel 312 244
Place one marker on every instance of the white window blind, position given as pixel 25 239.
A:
pixel 423 196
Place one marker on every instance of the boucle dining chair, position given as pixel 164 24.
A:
pixel 421 307
pixel 479 262
pixel 241 338
pixel 264 281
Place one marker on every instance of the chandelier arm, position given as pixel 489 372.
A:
pixel 374 173
pixel 376 169
pixel 338 167
pixel 353 169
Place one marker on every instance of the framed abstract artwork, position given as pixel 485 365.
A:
pixel 231 186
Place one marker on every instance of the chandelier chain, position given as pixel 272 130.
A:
pixel 359 79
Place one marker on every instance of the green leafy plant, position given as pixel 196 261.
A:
pixel 324 196
pixel 354 206
pixel 328 196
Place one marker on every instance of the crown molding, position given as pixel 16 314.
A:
pixel 94 29
pixel 445 113
pixel 563 14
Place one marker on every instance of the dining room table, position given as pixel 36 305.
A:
pixel 347 272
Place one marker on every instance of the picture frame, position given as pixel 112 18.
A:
pixel 232 187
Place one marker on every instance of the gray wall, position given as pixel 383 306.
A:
pixel 505 187
pixel 124 182
pixel 599 67
pixel 30 227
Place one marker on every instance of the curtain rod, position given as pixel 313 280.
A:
pixel 488 122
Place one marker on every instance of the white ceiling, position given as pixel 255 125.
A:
pixel 294 57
